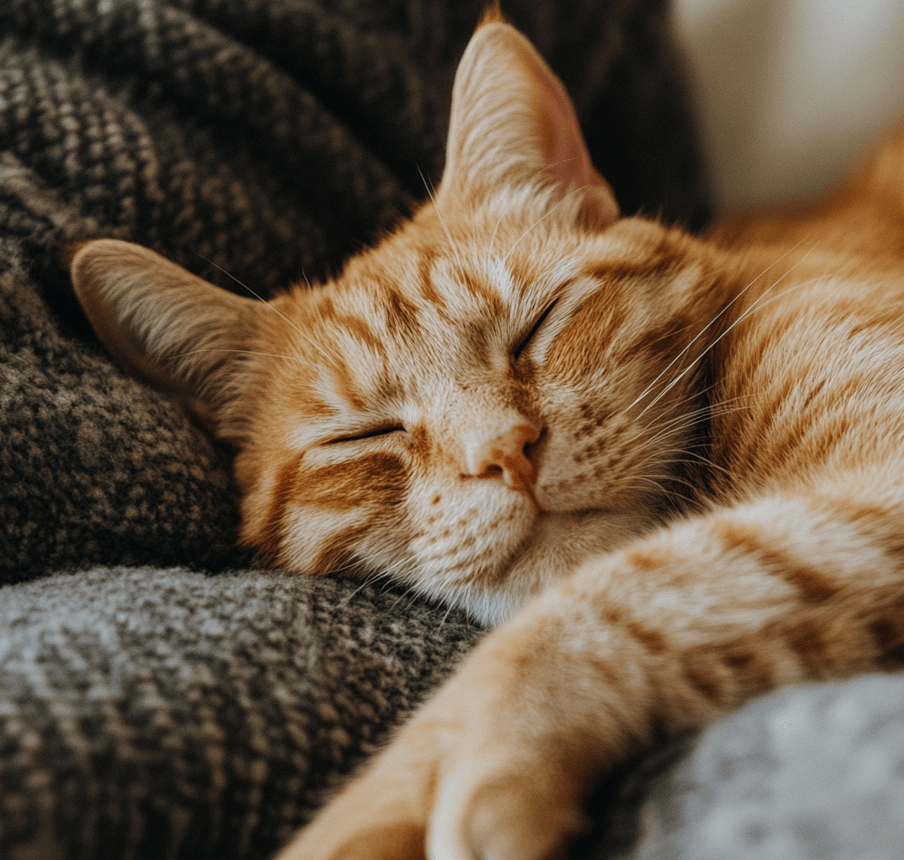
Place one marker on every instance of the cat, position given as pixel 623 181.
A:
pixel 672 465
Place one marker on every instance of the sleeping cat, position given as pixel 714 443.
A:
pixel 680 460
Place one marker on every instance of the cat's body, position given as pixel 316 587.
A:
pixel 693 448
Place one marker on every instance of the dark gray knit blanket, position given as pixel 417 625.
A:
pixel 161 696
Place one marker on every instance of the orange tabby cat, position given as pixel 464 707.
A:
pixel 692 450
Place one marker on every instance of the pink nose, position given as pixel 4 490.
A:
pixel 504 456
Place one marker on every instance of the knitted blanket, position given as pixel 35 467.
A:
pixel 161 696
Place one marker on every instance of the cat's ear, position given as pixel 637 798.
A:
pixel 512 120
pixel 163 324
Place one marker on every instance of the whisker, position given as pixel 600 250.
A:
pixel 643 483
pixel 432 195
pixel 713 321
pixel 294 358
pixel 697 459
pixel 492 242
pixel 537 223
pixel 756 305
pixel 304 335
pixel 685 420
pixel 353 594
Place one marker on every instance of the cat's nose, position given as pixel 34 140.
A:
pixel 505 455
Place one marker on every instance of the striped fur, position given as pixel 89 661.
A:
pixel 683 455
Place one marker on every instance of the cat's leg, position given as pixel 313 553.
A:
pixel 659 638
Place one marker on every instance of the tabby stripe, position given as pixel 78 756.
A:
pixel 698 671
pixel 652 640
pixel 338 557
pixel 477 287
pixel 650 268
pixel 667 340
pixel 889 639
pixel 373 482
pixel 316 541
pixel 880 524
pixel 749 666
pixel 361 330
pixel 402 317
pixel 809 641
pixel 425 279
pixel 825 423
pixel 810 584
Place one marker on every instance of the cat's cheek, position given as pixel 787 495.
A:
pixel 318 541
pixel 558 544
pixel 598 460
pixel 315 512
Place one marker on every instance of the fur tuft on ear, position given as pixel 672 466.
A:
pixel 492 15
pixel 163 324
pixel 512 122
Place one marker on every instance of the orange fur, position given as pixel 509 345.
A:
pixel 679 459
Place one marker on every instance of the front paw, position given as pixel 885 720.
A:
pixel 507 807
pixel 382 814
pixel 495 766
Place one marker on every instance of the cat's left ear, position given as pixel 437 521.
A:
pixel 511 121
pixel 166 326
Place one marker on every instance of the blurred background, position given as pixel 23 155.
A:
pixel 789 91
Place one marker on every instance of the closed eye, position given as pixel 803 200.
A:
pixel 526 338
pixel 368 433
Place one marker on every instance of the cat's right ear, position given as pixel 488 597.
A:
pixel 163 324
pixel 513 123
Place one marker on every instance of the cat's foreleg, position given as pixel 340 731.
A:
pixel 656 639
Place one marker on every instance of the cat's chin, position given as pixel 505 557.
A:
pixel 557 545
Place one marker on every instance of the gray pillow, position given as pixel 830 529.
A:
pixel 811 772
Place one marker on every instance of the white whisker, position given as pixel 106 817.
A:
pixel 741 317
pixel 710 324
pixel 453 246
pixel 304 335
pixel 232 350
pixel 537 223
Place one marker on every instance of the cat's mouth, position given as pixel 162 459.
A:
pixel 525 486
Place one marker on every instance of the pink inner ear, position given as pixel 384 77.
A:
pixel 568 161
pixel 599 208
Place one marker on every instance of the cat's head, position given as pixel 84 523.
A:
pixel 502 386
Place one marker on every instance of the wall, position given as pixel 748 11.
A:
pixel 789 90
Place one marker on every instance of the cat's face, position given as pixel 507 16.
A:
pixel 457 389
pixel 499 388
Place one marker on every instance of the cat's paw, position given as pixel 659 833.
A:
pixel 507 809
pixel 495 767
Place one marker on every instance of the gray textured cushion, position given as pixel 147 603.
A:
pixel 164 713
pixel 812 772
